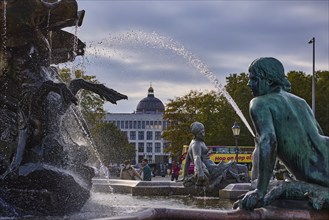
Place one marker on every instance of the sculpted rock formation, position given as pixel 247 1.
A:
pixel 42 167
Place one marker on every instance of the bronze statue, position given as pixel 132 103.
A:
pixel 206 172
pixel 285 129
pixel 35 139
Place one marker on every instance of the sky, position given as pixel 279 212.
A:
pixel 175 45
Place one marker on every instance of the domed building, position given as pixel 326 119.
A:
pixel 144 128
pixel 150 104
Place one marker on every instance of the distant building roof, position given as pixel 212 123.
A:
pixel 150 104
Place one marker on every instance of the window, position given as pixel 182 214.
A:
pixel 164 125
pixel 157 147
pixel 141 147
pixel 149 148
pixel 159 125
pixel 158 135
pixel 141 135
pixel 149 135
pixel 132 135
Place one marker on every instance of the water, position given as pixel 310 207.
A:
pixel 156 41
pixel 102 205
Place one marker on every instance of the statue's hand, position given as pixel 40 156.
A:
pixel 202 180
pixel 253 199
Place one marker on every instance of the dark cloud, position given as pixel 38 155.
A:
pixel 133 43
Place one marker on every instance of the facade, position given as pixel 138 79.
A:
pixel 144 128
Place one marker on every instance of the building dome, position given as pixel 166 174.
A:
pixel 150 104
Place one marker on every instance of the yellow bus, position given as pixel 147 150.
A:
pixel 228 153
pixel 223 153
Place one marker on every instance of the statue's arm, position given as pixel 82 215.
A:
pixel 196 150
pixel 261 117
pixel 104 92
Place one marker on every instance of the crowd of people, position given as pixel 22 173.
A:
pixel 145 173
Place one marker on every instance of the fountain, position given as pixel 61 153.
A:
pixel 39 173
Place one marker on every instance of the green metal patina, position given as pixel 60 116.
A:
pixel 285 129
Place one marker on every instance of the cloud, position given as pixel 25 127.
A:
pixel 173 43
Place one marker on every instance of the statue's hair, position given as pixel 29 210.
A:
pixel 271 69
pixel 196 127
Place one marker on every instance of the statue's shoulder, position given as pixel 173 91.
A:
pixel 268 98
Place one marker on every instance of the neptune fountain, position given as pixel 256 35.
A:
pixel 39 175
pixel 43 169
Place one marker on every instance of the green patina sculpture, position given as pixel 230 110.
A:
pixel 285 129
pixel 206 172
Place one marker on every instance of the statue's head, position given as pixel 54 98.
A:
pixel 197 130
pixel 266 73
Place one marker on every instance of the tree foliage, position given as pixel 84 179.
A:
pixel 112 144
pixel 211 109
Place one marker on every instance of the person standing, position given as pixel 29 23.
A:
pixel 146 169
pixel 128 172
pixel 174 171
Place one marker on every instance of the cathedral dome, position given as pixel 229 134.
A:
pixel 150 104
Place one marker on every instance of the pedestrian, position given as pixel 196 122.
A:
pixel 175 168
pixel 146 169
pixel 128 172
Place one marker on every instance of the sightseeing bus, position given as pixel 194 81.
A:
pixel 241 154
pixel 223 153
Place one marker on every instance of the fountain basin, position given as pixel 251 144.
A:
pixel 280 209
pixel 202 214
pixel 234 191
pixel 148 188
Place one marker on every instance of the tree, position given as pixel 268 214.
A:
pixel 236 86
pixel 301 85
pixel 211 109
pixel 112 144
pixel 322 100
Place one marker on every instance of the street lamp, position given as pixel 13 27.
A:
pixel 236 133
pixel 312 41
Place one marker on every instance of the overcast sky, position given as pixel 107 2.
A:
pixel 171 44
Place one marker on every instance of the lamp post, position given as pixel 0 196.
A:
pixel 236 133
pixel 312 41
